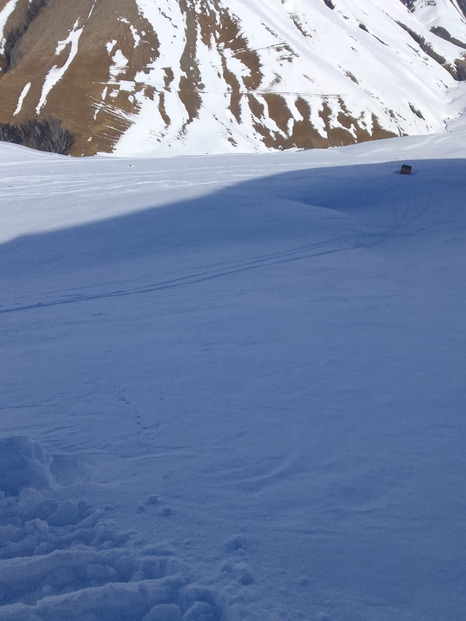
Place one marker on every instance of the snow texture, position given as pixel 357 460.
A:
pixel 233 386
pixel 60 560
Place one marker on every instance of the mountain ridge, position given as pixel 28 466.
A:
pixel 155 77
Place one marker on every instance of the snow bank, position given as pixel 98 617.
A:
pixel 23 464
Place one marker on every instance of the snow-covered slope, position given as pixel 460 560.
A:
pixel 442 15
pixel 206 76
pixel 232 387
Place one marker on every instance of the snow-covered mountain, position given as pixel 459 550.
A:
pixel 196 76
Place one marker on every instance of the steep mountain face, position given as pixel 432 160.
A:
pixel 169 76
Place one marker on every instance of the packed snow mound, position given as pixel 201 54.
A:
pixel 59 560
pixel 23 463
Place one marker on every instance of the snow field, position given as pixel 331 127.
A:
pixel 232 387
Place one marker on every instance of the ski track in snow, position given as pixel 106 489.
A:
pixel 314 250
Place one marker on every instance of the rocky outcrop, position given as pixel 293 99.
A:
pixel 41 135
pixel 462 5
pixel 409 4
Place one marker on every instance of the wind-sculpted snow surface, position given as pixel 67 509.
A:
pixel 59 560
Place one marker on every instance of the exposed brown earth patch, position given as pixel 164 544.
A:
pixel 378 132
pixel 191 83
pixel 273 139
pixel 251 60
pixel 415 111
pixel 305 135
pixel 337 136
pixel 256 107
pixel 235 90
pixel 169 77
pixel 87 101
pixel 163 111
pixel 278 111
pixel 297 22
pixel 19 21
pixel 460 64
